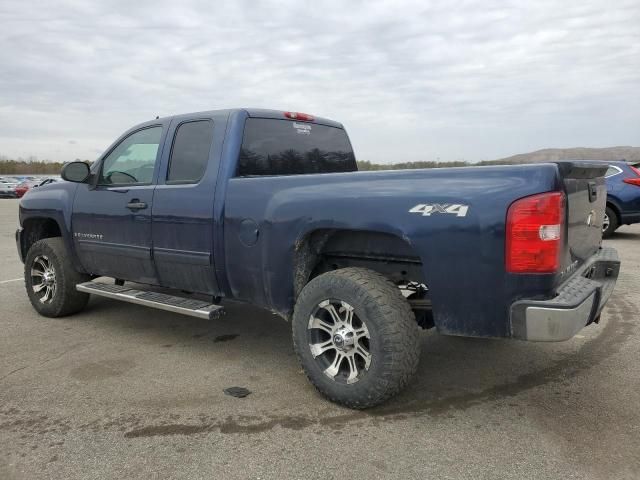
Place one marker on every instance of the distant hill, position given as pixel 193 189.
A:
pixel 631 154
pixel 551 154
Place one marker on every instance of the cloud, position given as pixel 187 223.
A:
pixel 410 81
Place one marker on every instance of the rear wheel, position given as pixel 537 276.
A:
pixel 51 280
pixel 356 337
pixel 609 223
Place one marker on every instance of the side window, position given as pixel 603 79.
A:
pixel 612 171
pixel 133 160
pixel 190 152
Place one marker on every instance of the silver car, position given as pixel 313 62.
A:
pixel 8 188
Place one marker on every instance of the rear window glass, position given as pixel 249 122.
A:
pixel 283 147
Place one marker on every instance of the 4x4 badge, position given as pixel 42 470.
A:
pixel 426 209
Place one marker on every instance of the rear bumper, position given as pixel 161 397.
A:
pixel 578 302
pixel 629 218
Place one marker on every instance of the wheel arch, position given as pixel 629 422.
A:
pixel 37 228
pixel 611 203
pixel 326 249
pixel 40 226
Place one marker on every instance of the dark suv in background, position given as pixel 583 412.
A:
pixel 623 196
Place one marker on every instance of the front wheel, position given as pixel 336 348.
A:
pixel 51 280
pixel 356 337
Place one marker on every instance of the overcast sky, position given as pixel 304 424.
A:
pixel 421 80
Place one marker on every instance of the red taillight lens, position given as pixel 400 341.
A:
pixel 303 117
pixel 633 181
pixel 534 233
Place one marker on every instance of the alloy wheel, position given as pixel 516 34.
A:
pixel 339 341
pixel 43 279
pixel 605 223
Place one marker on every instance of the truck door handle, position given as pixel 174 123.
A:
pixel 136 204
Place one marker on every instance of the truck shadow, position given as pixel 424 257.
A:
pixel 625 235
pixel 465 372
pixel 455 373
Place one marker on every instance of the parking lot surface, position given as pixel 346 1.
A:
pixel 120 391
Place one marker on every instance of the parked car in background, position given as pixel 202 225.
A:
pixel 23 178
pixel 24 187
pixel 16 187
pixel 8 187
pixel 623 196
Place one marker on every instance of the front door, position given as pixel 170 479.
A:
pixel 111 219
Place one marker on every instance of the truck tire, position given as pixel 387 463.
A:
pixel 356 337
pixel 610 223
pixel 51 280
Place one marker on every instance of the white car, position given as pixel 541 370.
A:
pixel 8 188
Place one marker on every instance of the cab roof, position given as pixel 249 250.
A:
pixel 259 113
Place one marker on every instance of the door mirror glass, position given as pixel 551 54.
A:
pixel 75 172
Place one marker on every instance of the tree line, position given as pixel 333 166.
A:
pixel 367 165
pixel 28 167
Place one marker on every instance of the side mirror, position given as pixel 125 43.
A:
pixel 75 172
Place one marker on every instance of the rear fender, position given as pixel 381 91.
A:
pixel 454 219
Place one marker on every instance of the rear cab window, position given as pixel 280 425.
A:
pixel 289 147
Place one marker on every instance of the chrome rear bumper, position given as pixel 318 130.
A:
pixel 578 302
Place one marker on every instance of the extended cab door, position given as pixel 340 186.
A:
pixel 183 220
pixel 111 218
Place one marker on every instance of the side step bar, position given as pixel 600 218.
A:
pixel 186 306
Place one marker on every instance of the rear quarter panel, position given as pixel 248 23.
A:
pixel 463 257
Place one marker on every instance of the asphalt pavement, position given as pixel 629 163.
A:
pixel 121 391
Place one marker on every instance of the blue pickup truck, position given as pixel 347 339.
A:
pixel 267 207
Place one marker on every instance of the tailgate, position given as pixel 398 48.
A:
pixel 586 200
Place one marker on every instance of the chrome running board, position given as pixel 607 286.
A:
pixel 171 303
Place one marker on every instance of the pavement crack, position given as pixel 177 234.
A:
pixel 12 372
pixel 73 347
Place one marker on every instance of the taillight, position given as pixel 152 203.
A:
pixel 633 181
pixel 303 117
pixel 534 233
